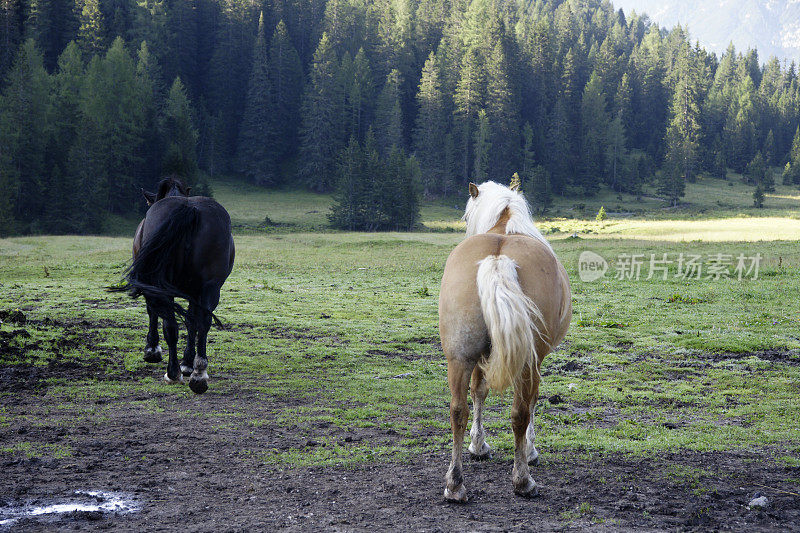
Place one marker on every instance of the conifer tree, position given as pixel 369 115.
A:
pixel 107 155
pixel 256 150
pixel 25 130
pixel 601 215
pixel 594 127
pixel 758 197
pixel 467 100
pixel 91 31
pixel 537 189
pixel 10 33
pixel 623 103
pixel 180 133
pixel 68 84
pixel 430 130
pixel 501 113
pixel 388 190
pixel 182 42
pixel 756 170
pixel 154 96
pixel 616 154
pixel 528 153
pixel 769 148
pixel 360 95
pixel 352 194
pixel 671 184
pixel 794 160
pixel 8 183
pixel 228 73
pixel 683 132
pixel 409 195
pixel 286 77
pixel 559 147
pixel 483 146
pixel 52 24
pixel 451 165
pixel 388 115
pixel 787 176
pixel 320 138
pixel 66 199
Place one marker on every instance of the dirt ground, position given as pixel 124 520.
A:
pixel 192 477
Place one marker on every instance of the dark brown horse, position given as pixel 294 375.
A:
pixel 182 249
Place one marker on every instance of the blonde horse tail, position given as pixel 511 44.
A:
pixel 511 318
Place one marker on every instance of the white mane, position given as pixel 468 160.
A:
pixel 484 211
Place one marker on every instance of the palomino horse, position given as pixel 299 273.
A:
pixel 505 303
pixel 183 248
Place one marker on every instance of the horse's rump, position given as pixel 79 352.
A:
pixel 491 285
pixel 165 264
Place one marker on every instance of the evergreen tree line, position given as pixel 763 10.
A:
pixel 77 144
pixel 571 94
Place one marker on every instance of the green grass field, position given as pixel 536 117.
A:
pixel 332 318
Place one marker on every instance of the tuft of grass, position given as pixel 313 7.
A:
pixel 680 298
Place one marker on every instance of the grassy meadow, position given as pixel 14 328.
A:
pixel 339 330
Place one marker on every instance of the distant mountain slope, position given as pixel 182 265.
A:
pixel 771 26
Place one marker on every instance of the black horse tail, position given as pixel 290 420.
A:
pixel 152 272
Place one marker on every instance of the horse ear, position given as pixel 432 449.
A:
pixel 515 182
pixel 149 197
pixel 473 190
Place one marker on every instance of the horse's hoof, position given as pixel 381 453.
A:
pixel 459 495
pixel 199 384
pixel 526 489
pixel 484 453
pixel 186 370
pixel 153 355
pixel 173 381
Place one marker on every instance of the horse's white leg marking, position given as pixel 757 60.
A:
pixel 530 435
pixel 478 446
pixel 153 355
pixel 171 381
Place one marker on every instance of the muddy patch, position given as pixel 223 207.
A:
pixel 187 458
pixel 89 505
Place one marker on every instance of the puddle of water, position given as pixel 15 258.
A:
pixel 84 500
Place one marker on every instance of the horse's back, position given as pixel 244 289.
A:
pixel 540 274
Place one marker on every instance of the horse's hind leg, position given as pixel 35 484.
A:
pixel 187 365
pixel 520 418
pixel 530 434
pixel 458 374
pixel 478 448
pixel 170 330
pixel 152 352
pixel 209 300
